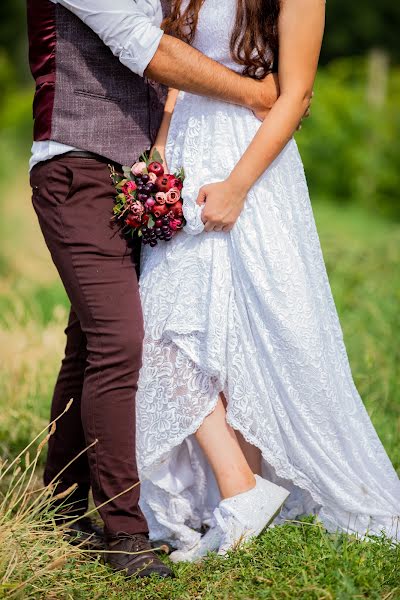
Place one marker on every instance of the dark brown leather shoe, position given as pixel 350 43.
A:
pixel 86 534
pixel 133 554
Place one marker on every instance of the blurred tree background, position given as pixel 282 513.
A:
pixel 350 146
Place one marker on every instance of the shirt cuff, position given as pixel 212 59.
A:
pixel 138 57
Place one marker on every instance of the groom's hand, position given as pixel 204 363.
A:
pixel 266 94
pixel 307 111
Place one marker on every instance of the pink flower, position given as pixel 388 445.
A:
pixel 150 202
pixel 138 168
pixel 173 195
pixel 161 197
pixel 152 177
pixel 129 187
pixel 137 208
pixel 175 224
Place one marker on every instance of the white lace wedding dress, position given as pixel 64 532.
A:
pixel 249 313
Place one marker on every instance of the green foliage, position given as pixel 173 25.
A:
pixel 350 148
pixel 355 27
pixel 15 115
pixel 13 37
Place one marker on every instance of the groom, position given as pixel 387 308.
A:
pixel 96 104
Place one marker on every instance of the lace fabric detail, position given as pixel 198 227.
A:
pixel 249 313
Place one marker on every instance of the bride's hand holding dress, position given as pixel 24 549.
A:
pixel 222 204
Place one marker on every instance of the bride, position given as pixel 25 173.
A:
pixel 247 413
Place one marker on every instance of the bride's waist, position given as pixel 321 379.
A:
pixel 202 106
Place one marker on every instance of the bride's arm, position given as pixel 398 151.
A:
pixel 301 26
pixel 162 134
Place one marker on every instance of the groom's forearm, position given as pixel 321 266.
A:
pixel 130 33
pixel 180 66
pixel 126 28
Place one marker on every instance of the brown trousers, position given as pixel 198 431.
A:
pixel 73 198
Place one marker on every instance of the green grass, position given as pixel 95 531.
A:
pixel 293 561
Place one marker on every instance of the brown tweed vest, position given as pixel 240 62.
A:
pixel 84 96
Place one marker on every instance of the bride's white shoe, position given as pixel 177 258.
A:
pixel 244 516
pixel 238 519
pixel 210 542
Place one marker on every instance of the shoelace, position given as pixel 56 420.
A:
pixel 138 544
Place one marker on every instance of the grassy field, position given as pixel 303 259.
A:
pixel 294 561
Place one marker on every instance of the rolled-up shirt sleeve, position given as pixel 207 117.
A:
pixel 130 28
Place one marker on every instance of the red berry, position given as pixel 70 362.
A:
pixel 160 210
pixel 177 183
pixel 166 182
pixel 156 168
pixel 162 183
pixel 158 223
pixel 132 221
pixel 177 209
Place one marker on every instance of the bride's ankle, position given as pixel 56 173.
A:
pixel 239 485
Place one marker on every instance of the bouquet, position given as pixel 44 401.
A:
pixel 148 201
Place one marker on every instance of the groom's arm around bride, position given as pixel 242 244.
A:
pixel 128 28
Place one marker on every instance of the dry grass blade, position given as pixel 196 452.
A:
pixel 39 435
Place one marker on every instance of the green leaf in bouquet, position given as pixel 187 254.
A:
pixel 156 157
pixel 139 233
pixel 121 183
pixel 127 172
pixel 116 177
pixel 144 157
pixel 180 174
pixel 151 222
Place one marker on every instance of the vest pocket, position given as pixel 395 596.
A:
pixel 95 96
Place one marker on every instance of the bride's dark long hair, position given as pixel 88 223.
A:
pixel 254 41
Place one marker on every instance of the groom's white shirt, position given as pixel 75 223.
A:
pixel 130 28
